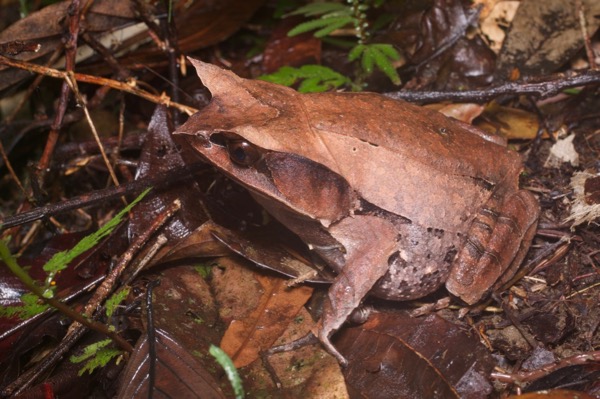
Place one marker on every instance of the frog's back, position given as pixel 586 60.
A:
pixel 410 160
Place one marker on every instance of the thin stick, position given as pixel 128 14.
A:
pixel 542 87
pixel 159 180
pixel 73 85
pixel 73 15
pixel 525 376
pixel 589 51
pixel 109 283
pixel 129 87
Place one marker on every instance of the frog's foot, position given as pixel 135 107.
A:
pixel 369 242
pixel 495 246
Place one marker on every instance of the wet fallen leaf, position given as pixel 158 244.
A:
pixel 274 249
pixel 83 271
pixel 199 243
pixel 395 355
pixel 464 112
pixel 435 36
pixel 178 374
pixel 159 154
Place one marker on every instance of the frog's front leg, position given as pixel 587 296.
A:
pixel 495 246
pixel 369 242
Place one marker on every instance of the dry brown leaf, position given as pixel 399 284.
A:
pixel 464 112
pixel 278 306
pixel 511 123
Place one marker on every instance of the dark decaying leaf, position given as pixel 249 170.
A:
pixel 45 27
pixel 433 39
pixel 276 250
pixel 200 243
pixel 186 309
pixel 468 63
pixel 160 153
pixel 32 334
pixel 583 378
pixel 178 374
pixel 544 35
pixel 395 355
pixel 550 325
pixel 424 33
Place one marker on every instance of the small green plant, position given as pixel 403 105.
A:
pixel 115 300
pixel 328 17
pixel 97 355
pixel 31 301
pixel 232 374
pixel 100 353
pixel 332 16
pixel 313 78
pixel 40 297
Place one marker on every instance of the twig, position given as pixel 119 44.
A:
pixel 73 16
pixel 128 87
pixel 159 180
pixel 11 171
pixel 107 286
pixel 73 85
pixel 543 87
pixel 525 376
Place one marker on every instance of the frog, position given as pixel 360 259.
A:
pixel 397 199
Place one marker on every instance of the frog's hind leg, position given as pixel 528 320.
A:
pixel 495 246
pixel 369 242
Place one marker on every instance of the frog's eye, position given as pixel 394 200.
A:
pixel 242 153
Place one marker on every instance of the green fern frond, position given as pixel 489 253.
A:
pixel 377 54
pixel 61 260
pixel 313 78
pixel 98 354
pixel 384 63
pixel 325 26
pixel 310 10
